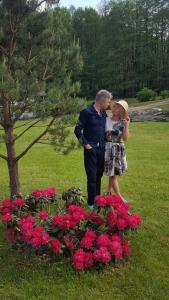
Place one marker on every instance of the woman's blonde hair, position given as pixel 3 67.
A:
pixel 124 113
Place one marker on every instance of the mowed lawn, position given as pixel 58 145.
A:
pixel 146 185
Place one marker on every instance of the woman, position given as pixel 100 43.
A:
pixel 117 131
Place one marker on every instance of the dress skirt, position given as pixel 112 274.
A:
pixel 115 159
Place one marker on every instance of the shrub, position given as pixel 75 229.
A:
pixel 146 94
pixel 90 238
pixel 164 94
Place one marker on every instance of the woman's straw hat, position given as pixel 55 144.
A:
pixel 123 103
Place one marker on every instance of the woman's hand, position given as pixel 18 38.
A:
pixel 126 121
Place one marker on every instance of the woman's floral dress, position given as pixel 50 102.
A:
pixel 115 156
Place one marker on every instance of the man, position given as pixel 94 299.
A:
pixel 90 131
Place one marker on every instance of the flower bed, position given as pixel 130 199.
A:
pixel 88 238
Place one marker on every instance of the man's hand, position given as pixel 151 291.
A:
pixel 88 146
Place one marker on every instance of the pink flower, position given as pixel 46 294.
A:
pixel 111 219
pixel 116 249
pixel 45 238
pixel 68 242
pixel 116 237
pixel 134 221
pixel 79 259
pixel 100 201
pixel 122 211
pixel 39 229
pixel 121 224
pixel 127 250
pixel 37 193
pixel 96 219
pixel 86 242
pixel 36 241
pixel 26 224
pixel 88 239
pixel 6 203
pixel 50 192
pixel 57 220
pixel 5 210
pixel 77 212
pixel 6 218
pixel 55 245
pixel 43 215
pixel 18 202
pixel 102 255
pixel 28 235
pixel 88 260
pixel 103 240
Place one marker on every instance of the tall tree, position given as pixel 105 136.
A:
pixel 38 58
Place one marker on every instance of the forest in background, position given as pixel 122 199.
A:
pixel 124 45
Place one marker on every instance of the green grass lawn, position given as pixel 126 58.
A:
pixel 146 273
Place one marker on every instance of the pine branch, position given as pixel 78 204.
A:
pixel 35 140
pixel 23 132
pixel 23 124
pixel 3 157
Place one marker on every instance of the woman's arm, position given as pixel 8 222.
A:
pixel 126 123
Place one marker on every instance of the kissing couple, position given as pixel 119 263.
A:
pixel 103 138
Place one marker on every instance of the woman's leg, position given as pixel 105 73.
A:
pixel 113 185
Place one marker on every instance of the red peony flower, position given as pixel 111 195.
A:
pixel 122 211
pixel 50 192
pixel 68 242
pixel 18 202
pixel 88 260
pixel 26 224
pixel 116 237
pixel 100 201
pixel 79 259
pixel 43 215
pixel 103 240
pixel 45 238
pixel 6 218
pixel 57 220
pixel 127 250
pixel 36 240
pixel 134 221
pixel 6 203
pixel 37 193
pixel 5 210
pixel 94 217
pixel 102 255
pixel 121 224
pixel 55 245
pixel 116 249
pixel 88 239
pixel 27 235
pixel 111 219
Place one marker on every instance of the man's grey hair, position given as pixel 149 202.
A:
pixel 103 94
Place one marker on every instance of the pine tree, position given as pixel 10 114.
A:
pixel 38 58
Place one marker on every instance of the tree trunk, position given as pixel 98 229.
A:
pixel 12 163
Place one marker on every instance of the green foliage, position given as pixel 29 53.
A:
pixel 164 94
pixel 146 94
pixel 73 196
pixel 124 46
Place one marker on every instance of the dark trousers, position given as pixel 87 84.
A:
pixel 94 166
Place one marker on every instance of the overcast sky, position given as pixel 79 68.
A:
pixel 79 3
